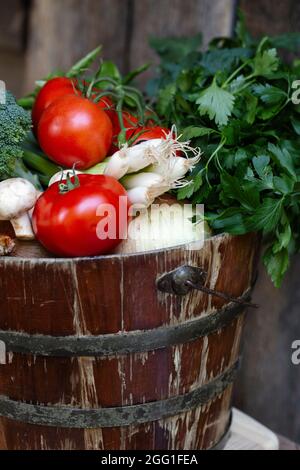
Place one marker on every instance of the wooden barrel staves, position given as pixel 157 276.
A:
pixel 109 353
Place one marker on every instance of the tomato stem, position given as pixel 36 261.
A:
pixel 69 185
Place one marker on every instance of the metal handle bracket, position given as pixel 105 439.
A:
pixel 185 278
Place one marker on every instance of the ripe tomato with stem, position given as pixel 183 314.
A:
pixel 75 131
pixel 83 215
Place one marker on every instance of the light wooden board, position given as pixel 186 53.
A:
pixel 248 434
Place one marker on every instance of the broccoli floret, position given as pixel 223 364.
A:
pixel 15 123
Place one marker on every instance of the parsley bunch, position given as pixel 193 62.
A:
pixel 235 101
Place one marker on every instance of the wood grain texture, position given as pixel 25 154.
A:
pixel 12 25
pixel 62 297
pixel 12 68
pixel 13 16
pixel 63 31
pixel 264 17
pixel 176 18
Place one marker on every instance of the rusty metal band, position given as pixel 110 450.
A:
pixel 68 417
pixel 120 343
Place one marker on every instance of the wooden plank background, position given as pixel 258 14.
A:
pixel 60 31
pixel 12 30
pixel 13 16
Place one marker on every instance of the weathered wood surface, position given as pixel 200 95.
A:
pixel 176 18
pixel 264 17
pixel 12 70
pixel 13 25
pixel 63 31
pixel 12 43
pixel 105 295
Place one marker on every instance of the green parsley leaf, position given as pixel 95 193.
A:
pixel 232 132
pixel 260 164
pixel 283 238
pixel 296 124
pixel 266 216
pixel 217 103
pixel 283 159
pixel 166 98
pixel 243 193
pixel 193 131
pixel 284 184
pixel 193 186
pixel 251 107
pixel 223 59
pixel 265 63
pixel 231 221
pixel 269 94
pixel 276 264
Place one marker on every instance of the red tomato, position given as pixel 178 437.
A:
pixel 130 121
pixel 75 131
pixel 53 89
pixel 147 133
pixel 73 223
pixel 58 87
pixel 106 104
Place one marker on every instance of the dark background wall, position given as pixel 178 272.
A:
pixel 38 36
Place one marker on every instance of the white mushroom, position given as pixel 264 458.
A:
pixel 17 197
pixel 30 212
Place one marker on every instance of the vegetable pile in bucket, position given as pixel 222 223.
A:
pixel 219 128
pixel 97 156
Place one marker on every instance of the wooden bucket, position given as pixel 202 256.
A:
pixel 98 357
